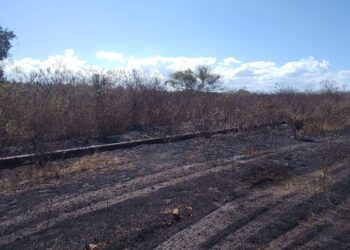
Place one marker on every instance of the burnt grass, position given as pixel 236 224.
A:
pixel 146 221
pixel 143 222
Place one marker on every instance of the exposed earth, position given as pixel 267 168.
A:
pixel 250 190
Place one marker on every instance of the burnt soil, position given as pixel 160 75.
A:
pixel 250 190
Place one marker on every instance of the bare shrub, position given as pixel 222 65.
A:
pixel 58 105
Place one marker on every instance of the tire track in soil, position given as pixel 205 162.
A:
pixel 236 234
pixel 239 212
pixel 232 225
pixel 257 233
pixel 227 164
pixel 336 236
pixel 103 204
pixel 67 203
pixel 311 230
pixel 287 220
pixel 298 207
pixel 332 238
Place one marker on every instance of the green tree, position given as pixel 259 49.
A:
pixel 5 45
pixel 207 80
pixel 202 79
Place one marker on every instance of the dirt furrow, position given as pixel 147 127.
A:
pixel 237 235
pixel 308 229
pixel 287 220
pixel 236 216
pixel 108 197
pixel 103 204
pixel 335 236
pixel 239 211
pixel 67 203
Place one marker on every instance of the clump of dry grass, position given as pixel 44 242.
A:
pixel 90 163
pixel 33 175
pixel 252 151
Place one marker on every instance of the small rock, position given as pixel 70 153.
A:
pixel 176 212
pixel 93 247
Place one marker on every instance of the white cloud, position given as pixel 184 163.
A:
pixel 166 65
pixel 67 61
pixel 255 75
pixel 304 66
pixel 110 56
pixel 230 60
pixel 302 74
pixel 259 68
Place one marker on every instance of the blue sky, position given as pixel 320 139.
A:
pixel 251 31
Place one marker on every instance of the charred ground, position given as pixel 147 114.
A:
pixel 254 189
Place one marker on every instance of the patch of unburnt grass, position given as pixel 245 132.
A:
pixel 51 172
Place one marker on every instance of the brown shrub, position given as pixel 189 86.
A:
pixel 42 110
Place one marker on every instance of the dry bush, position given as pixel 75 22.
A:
pixel 48 107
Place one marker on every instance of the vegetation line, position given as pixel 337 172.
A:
pixel 19 160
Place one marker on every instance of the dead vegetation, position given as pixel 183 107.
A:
pixel 152 196
pixel 36 174
pixel 47 108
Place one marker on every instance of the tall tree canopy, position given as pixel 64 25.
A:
pixel 5 42
pixel 202 79
pixel 6 37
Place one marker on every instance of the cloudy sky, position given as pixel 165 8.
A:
pixel 251 43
